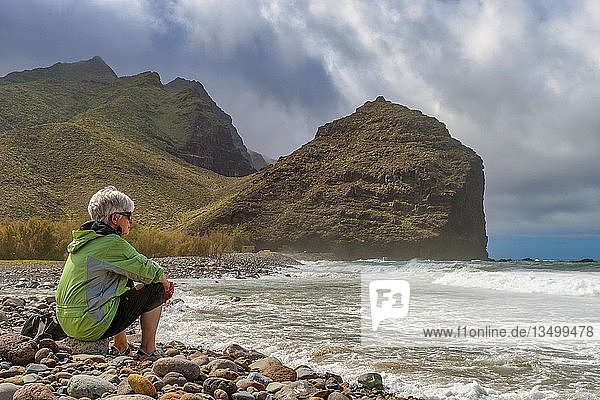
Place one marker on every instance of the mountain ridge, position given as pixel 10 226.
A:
pixel 94 69
pixel 383 181
pixel 62 135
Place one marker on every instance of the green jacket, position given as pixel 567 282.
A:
pixel 95 274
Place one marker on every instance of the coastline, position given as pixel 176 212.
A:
pixel 44 275
pixel 58 374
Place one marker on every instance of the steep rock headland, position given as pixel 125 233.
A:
pixel 384 181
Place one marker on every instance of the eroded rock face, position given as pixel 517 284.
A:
pixel 211 142
pixel 384 181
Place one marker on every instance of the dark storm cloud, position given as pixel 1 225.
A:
pixel 518 81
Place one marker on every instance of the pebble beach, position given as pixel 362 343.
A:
pixel 69 369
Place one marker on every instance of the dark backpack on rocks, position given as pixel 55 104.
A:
pixel 43 326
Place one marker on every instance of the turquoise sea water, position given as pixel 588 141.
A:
pixel 319 314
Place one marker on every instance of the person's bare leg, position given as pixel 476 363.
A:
pixel 121 341
pixel 149 322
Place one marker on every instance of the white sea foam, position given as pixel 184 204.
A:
pixel 548 282
pixel 307 319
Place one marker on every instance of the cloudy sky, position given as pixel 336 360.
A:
pixel 517 81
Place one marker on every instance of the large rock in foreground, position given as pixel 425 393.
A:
pixel 384 181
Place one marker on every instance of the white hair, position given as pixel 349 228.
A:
pixel 107 201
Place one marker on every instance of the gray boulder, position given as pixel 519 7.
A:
pixel 187 368
pixel 89 386
pixel 7 390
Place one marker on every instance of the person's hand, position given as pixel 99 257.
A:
pixel 169 287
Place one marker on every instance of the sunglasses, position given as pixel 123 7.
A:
pixel 128 214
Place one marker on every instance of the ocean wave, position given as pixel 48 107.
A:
pixel 555 283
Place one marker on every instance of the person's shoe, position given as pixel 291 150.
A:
pixel 113 351
pixel 155 355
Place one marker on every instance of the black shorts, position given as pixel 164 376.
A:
pixel 134 303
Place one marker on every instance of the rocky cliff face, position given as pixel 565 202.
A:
pixel 212 142
pixel 384 181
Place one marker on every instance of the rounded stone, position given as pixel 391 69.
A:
pixel 337 396
pixel 224 373
pixel 174 378
pixel 41 354
pixel 304 372
pixel 123 387
pixel 243 395
pixel 49 362
pixel 262 395
pixel 89 386
pixel 274 387
pixel 37 391
pixel 49 344
pixel 221 363
pixel 220 394
pixel 22 353
pixel 187 368
pixel 245 384
pixel 14 302
pixel 201 360
pixel 141 385
pixel 263 363
pixel 236 351
pixel 36 368
pixel 30 378
pixel 258 377
pixel 196 396
pixel 172 352
pixel 371 380
pixel 12 371
pixel 172 395
pixel 63 375
pixel 280 373
pixel 7 390
pixel 212 384
pixel 192 387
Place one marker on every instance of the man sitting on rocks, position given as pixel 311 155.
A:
pixel 96 297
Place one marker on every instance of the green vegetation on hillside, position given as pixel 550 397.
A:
pixel 384 181
pixel 63 139
pixel 43 239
